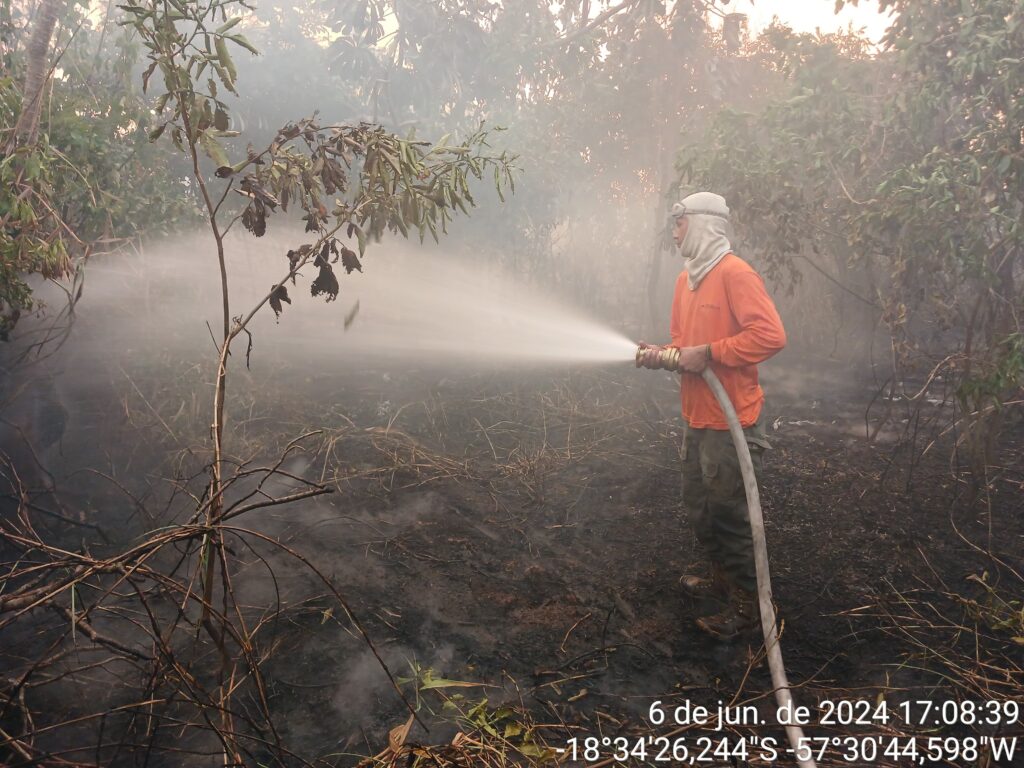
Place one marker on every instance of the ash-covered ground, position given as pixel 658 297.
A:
pixel 507 534
pixel 521 530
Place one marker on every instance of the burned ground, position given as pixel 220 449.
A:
pixel 521 530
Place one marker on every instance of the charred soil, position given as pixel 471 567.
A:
pixel 522 532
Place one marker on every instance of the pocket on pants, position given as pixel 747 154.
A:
pixel 709 467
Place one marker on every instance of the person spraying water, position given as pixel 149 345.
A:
pixel 723 323
pixel 722 320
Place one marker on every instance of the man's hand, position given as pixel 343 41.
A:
pixel 693 359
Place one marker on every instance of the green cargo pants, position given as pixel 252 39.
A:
pixel 715 501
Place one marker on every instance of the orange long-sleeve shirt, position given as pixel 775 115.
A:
pixel 731 311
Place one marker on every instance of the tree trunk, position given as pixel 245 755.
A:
pixel 37 71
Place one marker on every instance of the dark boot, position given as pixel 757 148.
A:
pixel 739 616
pixel 715 587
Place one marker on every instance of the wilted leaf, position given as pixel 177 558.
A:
pixel 254 218
pixel 214 150
pixel 398 735
pixel 326 283
pixel 146 75
pixel 350 261
pixel 293 261
pixel 278 295
pixel 289 132
pixel 324 256
pixel 252 186
pixel 313 221
pixel 220 119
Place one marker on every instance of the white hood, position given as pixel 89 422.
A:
pixel 707 234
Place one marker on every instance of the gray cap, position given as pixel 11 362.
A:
pixel 707 203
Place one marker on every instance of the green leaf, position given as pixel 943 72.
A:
pixel 530 749
pixel 225 78
pixel 430 683
pixel 242 41
pixel 157 132
pixel 32 167
pixel 360 237
pixel 225 27
pixel 214 150
pixel 225 61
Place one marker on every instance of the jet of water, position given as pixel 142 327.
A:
pixel 409 306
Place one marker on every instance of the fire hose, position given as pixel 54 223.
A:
pixel 668 358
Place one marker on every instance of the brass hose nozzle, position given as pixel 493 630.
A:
pixel 666 358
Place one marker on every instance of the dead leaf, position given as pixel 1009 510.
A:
pixel 398 735
pixel 252 187
pixel 350 261
pixel 326 282
pixel 324 256
pixel 254 218
pixel 278 295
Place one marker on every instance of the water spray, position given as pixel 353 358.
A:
pixel 667 358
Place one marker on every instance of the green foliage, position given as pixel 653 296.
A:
pixel 495 733
pixel 595 93
pixel 117 184
pixel 1003 374
pixel 791 169
pixel 995 610
pixel 359 179
pixel 901 172
pixel 91 180
pixel 364 179
pixel 188 46
pixel 33 238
